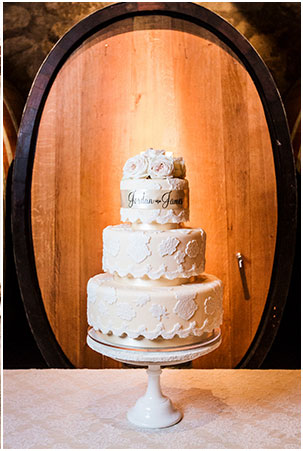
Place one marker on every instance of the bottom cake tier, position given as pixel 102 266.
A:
pixel 143 313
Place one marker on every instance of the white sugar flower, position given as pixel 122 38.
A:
pixel 179 168
pixel 138 248
pixel 161 167
pixel 125 311
pixel 192 249
pixel 136 167
pixel 210 306
pixel 109 295
pixel 186 306
pixel 180 257
pixel 111 247
pixel 152 153
pixel 142 300
pixel 158 311
pixel 102 308
pixel 168 246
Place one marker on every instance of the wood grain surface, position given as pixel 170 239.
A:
pixel 164 83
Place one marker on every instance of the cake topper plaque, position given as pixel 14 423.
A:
pixel 155 199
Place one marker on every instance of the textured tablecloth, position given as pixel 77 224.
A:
pixel 76 409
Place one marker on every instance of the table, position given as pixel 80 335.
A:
pixel 78 409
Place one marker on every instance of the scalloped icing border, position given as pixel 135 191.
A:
pixel 159 330
pixel 154 274
pixel 159 216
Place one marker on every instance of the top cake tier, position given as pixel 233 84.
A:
pixel 154 189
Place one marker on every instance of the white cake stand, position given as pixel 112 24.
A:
pixel 153 410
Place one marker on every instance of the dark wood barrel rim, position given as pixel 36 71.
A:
pixel 282 153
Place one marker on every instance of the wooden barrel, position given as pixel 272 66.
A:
pixel 173 76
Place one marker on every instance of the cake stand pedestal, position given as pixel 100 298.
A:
pixel 153 410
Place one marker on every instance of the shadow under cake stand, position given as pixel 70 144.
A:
pixel 153 410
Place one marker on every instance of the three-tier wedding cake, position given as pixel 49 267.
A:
pixel 154 293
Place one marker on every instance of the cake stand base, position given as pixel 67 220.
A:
pixel 153 410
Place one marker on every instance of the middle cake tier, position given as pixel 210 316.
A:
pixel 170 253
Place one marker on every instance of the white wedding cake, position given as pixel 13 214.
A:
pixel 154 292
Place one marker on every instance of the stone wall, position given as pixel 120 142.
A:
pixel 31 30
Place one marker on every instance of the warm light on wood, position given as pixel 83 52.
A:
pixel 168 84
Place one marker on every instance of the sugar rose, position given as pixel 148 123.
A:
pixel 161 167
pixel 179 168
pixel 136 167
pixel 152 153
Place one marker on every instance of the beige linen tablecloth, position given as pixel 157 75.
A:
pixel 78 409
